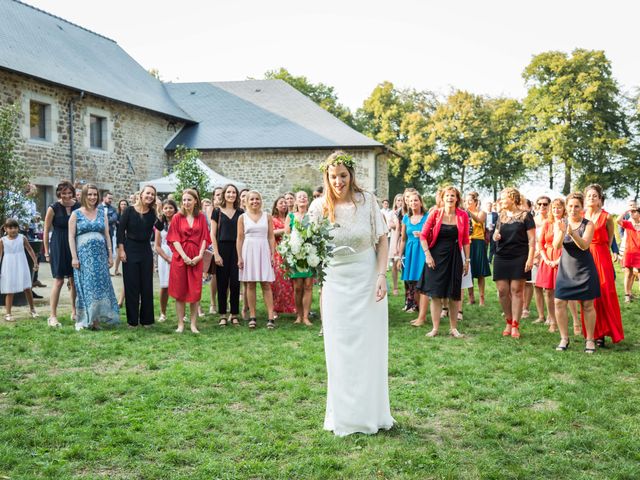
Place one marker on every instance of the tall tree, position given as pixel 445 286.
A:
pixel 575 113
pixel 13 172
pixel 320 93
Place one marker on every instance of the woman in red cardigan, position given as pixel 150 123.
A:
pixel 444 235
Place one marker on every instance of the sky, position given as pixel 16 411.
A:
pixel 478 45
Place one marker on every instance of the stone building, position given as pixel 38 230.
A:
pixel 91 113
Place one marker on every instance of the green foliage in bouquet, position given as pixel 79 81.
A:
pixel 307 248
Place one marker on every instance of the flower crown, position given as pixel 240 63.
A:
pixel 343 159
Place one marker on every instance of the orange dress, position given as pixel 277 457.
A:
pixel 608 317
pixel 546 277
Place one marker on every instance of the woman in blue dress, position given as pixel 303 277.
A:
pixel 91 258
pixel 414 259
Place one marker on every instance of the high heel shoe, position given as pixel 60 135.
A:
pixel 515 330
pixel 589 350
pixel 562 348
pixel 507 330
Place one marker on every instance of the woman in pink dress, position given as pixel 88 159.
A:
pixel 282 287
pixel 256 246
pixel 608 317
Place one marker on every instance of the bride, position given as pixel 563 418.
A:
pixel 354 304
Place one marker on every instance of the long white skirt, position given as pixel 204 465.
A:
pixel 164 268
pixel 356 343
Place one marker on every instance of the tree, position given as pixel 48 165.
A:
pixel 628 179
pixel 456 146
pixel 320 93
pixel 188 173
pixel 575 113
pixel 13 171
pixel 397 118
pixel 504 164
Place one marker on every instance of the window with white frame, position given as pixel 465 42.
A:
pixel 40 114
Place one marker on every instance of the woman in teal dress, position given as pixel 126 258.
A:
pixel 90 246
pixel 302 281
pixel 414 258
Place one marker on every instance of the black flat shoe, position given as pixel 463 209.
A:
pixel 252 322
pixel 600 342
pixel 562 348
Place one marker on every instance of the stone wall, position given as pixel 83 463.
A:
pixel 273 172
pixel 134 145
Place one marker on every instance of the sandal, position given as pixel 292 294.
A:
pixel 627 299
pixel 432 333
pixel 507 330
pixel 515 331
pixel 235 322
pixel 525 313
pixel 53 322
pixel 34 314
pixel 9 318
pixel 561 347
pixel 590 350
pixel 444 313
pixel 600 342
pixel 252 322
pixel 460 317
pixel 223 321
pixel 271 324
pixel 455 333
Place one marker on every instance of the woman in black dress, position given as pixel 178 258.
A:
pixel 577 277
pixel 444 235
pixel 224 233
pixel 58 253
pixel 134 249
pixel 515 236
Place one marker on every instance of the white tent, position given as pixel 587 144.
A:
pixel 169 183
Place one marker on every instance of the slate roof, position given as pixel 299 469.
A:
pixel 41 45
pixel 257 114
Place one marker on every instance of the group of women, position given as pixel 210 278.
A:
pixel 563 255
pixel 228 240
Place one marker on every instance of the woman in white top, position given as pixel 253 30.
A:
pixel 256 245
pixel 354 304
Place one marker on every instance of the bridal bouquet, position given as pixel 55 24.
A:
pixel 307 248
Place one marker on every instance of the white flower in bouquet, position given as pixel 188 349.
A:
pixel 295 241
pixel 313 260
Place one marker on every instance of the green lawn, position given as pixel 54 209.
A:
pixel 233 403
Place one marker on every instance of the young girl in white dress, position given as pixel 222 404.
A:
pixel 169 209
pixel 15 276
pixel 256 245
pixel 354 304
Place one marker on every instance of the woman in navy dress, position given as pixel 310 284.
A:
pixel 57 251
pixel 577 277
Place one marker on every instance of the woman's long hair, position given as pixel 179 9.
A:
pixel 329 209
pixel 163 218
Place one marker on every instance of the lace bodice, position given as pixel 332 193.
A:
pixel 358 226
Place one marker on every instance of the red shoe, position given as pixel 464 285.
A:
pixel 507 331
pixel 515 333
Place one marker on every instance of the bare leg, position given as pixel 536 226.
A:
pixel 194 309
pixel 504 295
pixel 298 293
pixel 436 310
pixel 29 295
pixel 55 296
pixel 628 284
pixel 307 297
pixel 267 295
pixel 563 322
pixel 394 275
pixel 73 298
pixel 422 311
pixel 589 322
pixel 517 288
pixel 180 307
pixel 454 307
pixel 116 265
pixel 481 286
pixel 8 303
pixel 164 299
pixel 528 295
pixel 472 296
pixel 251 298
pixel 551 308
pixel 577 325
pixel 537 291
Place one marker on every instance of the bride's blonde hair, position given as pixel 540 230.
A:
pixel 330 197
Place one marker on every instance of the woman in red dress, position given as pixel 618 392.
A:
pixel 283 301
pixel 188 238
pixel 608 318
pixel 631 257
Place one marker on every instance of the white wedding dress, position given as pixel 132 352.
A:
pixel 355 326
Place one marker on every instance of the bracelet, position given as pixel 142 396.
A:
pixel 382 274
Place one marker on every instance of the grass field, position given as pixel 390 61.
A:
pixel 233 404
